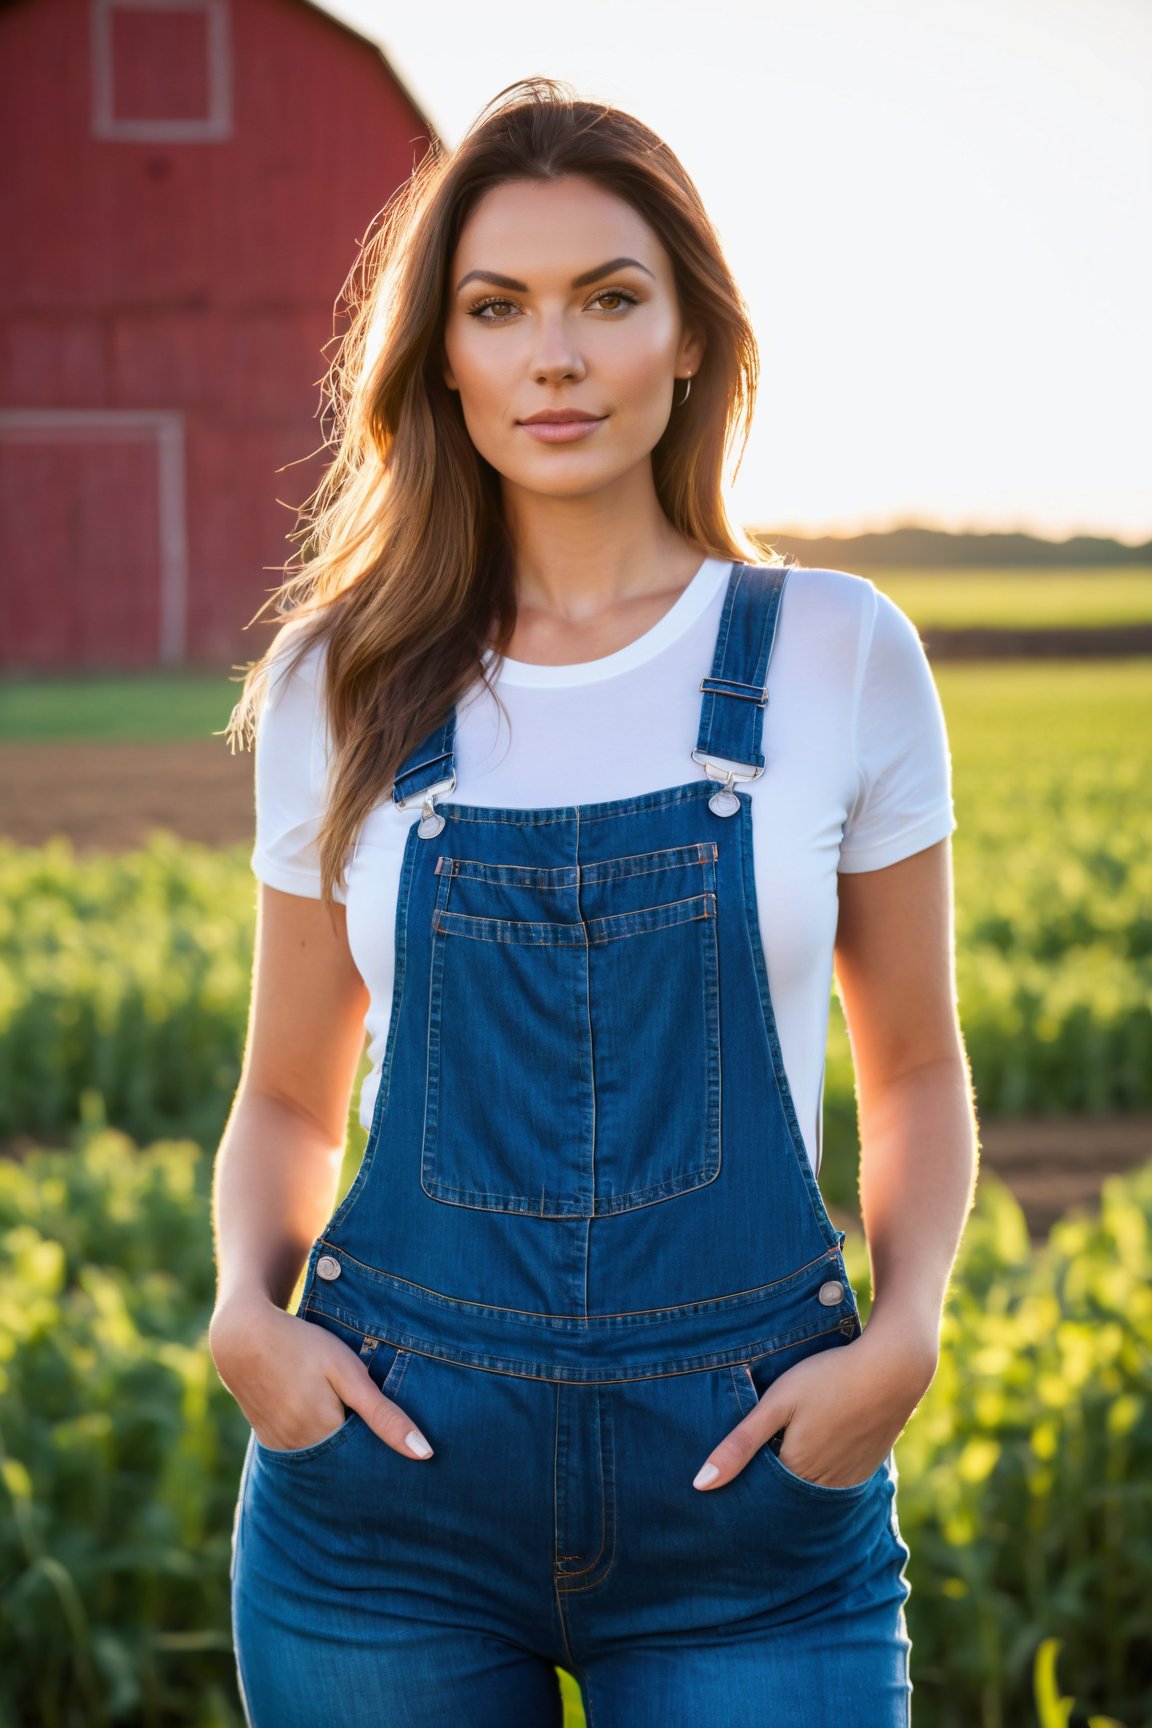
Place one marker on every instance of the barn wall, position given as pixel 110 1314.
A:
pixel 185 276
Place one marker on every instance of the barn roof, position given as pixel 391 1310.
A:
pixel 349 30
pixel 370 42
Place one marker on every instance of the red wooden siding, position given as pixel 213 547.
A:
pixel 160 63
pixel 190 188
pixel 58 492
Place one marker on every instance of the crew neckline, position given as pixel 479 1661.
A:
pixel 693 599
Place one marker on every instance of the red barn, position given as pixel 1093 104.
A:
pixel 186 184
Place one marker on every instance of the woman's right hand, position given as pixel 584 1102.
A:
pixel 292 1380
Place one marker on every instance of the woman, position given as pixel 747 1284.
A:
pixel 577 1377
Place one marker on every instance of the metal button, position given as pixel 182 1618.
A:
pixel 329 1267
pixel 724 802
pixel 831 1293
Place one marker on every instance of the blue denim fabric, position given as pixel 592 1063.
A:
pixel 584 1238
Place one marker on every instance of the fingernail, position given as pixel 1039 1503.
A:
pixel 416 1442
pixel 706 1474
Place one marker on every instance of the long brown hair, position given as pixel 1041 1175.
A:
pixel 407 571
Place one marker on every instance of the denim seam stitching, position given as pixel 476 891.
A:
pixel 674 1311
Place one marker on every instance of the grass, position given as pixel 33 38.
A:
pixel 186 705
pixel 1017 599
pixel 1046 711
pixel 157 707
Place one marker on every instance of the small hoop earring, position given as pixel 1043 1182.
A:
pixel 687 392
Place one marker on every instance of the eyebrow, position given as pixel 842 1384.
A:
pixel 584 281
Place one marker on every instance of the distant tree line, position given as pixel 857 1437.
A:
pixel 927 548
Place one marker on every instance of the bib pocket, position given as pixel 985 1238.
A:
pixel 573 1056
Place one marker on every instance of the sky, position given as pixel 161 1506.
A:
pixel 939 212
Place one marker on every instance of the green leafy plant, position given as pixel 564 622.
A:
pixel 1053 1710
pixel 119 1447
pixel 1025 1478
pixel 127 977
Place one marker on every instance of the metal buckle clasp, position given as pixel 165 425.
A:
pixel 431 822
pixel 724 801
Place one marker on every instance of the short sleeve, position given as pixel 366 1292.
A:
pixel 290 770
pixel 900 744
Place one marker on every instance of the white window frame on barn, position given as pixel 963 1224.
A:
pixel 216 124
pixel 137 425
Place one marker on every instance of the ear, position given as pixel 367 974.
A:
pixel 690 353
pixel 447 373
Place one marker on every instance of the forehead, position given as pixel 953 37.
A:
pixel 536 230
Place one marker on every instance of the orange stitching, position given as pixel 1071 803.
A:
pixel 595 1561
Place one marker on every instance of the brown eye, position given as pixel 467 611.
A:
pixel 502 307
pixel 620 295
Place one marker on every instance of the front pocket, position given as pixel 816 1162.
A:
pixel 385 1363
pixel 573 1061
pixel 748 1392
pixel 301 1454
pixel 825 1490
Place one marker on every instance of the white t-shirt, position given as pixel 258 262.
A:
pixel 859 777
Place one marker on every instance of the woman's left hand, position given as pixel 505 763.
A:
pixel 841 1410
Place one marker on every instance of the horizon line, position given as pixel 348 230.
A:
pixel 835 531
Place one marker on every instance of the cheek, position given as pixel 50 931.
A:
pixel 640 368
pixel 477 374
pixel 482 387
pixel 643 395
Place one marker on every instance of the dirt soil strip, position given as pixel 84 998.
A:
pixel 1056 1164
pixel 1090 642
pixel 109 797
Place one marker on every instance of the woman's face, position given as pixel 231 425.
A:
pixel 562 302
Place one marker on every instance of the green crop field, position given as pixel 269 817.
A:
pixel 1025 1475
pixel 1053 865
pixel 129 975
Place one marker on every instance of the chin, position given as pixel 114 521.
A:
pixel 564 485
pixel 570 474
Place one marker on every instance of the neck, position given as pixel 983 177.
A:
pixel 578 557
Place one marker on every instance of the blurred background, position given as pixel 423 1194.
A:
pixel 939 214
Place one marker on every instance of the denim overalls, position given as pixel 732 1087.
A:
pixel 585 1236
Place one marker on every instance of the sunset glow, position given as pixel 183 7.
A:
pixel 938 213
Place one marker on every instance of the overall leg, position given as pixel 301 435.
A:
pixel 824 1675
pixel 769 1602
pixel 373 1592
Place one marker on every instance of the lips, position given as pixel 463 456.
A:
pixel 558 417
pixel 562 425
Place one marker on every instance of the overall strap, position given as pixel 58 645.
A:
pixel 735 691
pixel 427 770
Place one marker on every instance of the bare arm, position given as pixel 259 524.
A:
pixel 896 973
pixel 280 1156
pixel 843 1409
pixel 275 1181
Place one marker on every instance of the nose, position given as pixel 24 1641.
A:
pixel 556 357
